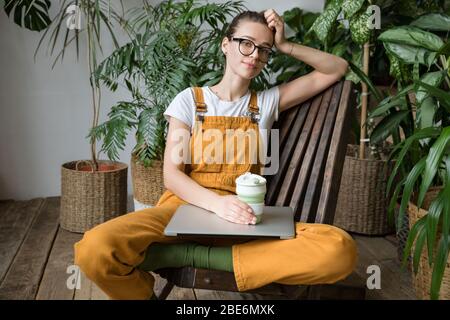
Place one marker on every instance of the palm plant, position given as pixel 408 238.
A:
pixel 420 56
pixel 174 45
pixel 96 14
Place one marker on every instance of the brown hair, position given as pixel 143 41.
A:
pixel 245 15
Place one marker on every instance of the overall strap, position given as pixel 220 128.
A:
pixel 200 105
pixel 253 109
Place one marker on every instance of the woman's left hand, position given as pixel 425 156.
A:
pixel 275 22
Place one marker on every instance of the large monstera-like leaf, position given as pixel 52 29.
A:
pixel 31 14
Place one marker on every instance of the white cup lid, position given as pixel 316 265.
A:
pixel 250 179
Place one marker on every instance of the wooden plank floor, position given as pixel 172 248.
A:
pixel 35 254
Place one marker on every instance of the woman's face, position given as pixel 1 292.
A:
pixel 249 66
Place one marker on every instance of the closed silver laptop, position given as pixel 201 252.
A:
pixel 190 220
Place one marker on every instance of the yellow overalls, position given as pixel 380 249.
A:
pixel 109 253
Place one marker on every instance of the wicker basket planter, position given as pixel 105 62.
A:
pixel 148 183
pixel 401 233
pixel 362 202
pixel 89 198
pixel 422 280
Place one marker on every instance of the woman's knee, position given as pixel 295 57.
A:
pixel 341 257
pixel 93 253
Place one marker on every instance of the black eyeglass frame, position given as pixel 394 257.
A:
pixel 270 51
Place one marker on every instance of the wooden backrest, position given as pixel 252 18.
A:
pixel 313 139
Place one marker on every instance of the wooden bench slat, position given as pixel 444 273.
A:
pixel 315 180
pixel 286 123
pixel 306 165
pixel 336 156
pixel 300 148
pixel 286 153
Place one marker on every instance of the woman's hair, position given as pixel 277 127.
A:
pixel 247 16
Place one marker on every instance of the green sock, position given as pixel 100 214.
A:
pixel 179 255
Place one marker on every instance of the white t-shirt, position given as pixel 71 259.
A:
pixel 183 107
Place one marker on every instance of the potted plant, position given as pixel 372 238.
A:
pixel 174 45
pixel 361 206
pixel 419 117
pixel 92 191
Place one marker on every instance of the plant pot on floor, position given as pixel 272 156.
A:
pixel 422 280
pixel 362 203
pixel 148 183
pixel 401 233
pixel 90 198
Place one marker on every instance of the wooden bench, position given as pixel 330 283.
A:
pixel 313 139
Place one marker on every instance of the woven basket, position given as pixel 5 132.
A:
pixel 89 198
pixel 148 183
pixel 422 280
pixel 362 202
pixel 401 233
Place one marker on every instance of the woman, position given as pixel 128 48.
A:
pixel 118 254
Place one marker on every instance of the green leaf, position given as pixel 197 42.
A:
pixel 326 20
pixel 413 233
pixel 409 187
pixel 358 62
pixel 425 114
pixel 433 21
pixel 413 37
pixel 404 147
pixel 30 14
pixel 366 80
pixel 441 95
pixel 293 18
pixel 410 54
pixel 434 159
pixel 395 67
pixel 439 267
pixel 387 126
pixel 393 202
pixel 434 214
pixel 390 102
pixel 420 242
pixel 359 27
pixel 339 49
pixel 350 7
pixel 445 50
pixel 433 79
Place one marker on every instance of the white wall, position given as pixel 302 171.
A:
pixel 46 114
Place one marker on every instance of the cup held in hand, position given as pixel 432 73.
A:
pixel 251 189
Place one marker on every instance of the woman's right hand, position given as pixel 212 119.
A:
pixel 230 208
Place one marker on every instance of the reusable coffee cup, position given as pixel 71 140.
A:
pixel 251 189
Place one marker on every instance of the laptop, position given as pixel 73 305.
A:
pixel 190 220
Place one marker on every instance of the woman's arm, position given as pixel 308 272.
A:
pixel 328 68
pixel 227 207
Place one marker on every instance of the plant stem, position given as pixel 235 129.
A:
pixel 364 100
pixel 93 90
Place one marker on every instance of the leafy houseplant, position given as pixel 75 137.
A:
pixel 359 209
pixel 420 113
pixel 83 203
pixel 174 45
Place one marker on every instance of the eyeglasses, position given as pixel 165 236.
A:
pixel 247 47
